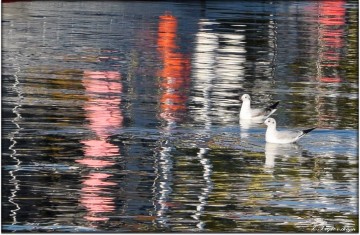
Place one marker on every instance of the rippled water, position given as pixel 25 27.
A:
pixel 124 116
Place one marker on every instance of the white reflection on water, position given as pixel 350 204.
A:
pixel 206 190
pixel 218 71
pixel 203 76
pixel 163 184
pixel 14 181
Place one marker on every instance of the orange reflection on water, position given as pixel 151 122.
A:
pixel 176 70
pixel 102 109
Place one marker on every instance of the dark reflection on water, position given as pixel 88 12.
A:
pixel 123 117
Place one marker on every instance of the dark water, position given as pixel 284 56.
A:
pixel 124 116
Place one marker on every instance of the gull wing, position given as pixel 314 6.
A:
pixel 289 135
pixel 264 112
pixel 292 135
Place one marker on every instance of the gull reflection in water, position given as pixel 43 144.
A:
pixel 246 125
pixel 279 150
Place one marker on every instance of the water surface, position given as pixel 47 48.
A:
pixel 124 116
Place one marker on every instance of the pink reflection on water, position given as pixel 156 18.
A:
pixel 102 110
pixel 99 148
pixel 95 163
pixel 92 198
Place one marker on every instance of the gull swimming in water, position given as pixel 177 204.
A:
pixel 282 137
pixel 255 114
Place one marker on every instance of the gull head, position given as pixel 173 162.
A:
pixel 245 97
pixel 270 122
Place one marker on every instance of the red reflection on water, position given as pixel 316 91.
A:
pixel 102 110
pixel 331 19
pixel 176 70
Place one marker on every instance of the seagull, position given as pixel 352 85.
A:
pixel 258 114
pixel 282 137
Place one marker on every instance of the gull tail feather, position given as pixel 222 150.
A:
pixel 274 105
pixel 271 109
pixel 308 130
pixel 304 132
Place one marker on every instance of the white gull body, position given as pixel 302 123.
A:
pixel 255 114
pixel 282 137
